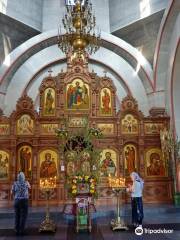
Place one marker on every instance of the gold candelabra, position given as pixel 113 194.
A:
pixel 80 34
pixel 47 185
pixel 117 184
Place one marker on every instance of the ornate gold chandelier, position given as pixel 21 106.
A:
pixel 80 34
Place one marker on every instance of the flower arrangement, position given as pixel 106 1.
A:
pixel 95 132
pixel 82 184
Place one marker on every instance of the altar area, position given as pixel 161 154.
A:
pixel 79 99
pixel 78 131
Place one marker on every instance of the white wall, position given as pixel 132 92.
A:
pixel 27 11
pixel 53 11
pixel 125 12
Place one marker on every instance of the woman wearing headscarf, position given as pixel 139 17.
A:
pixel 20 190
pixel 136 190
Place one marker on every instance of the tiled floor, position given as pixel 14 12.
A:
pixel 156 218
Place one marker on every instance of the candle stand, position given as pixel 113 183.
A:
pixel 118 186
pixel 47 185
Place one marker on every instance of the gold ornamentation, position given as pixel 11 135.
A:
pixel 47 185
pixel 117 184
pixel 4 129
pixel 25 125
pixel 4 165
pixel 79 24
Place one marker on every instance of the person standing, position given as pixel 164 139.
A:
pixel 20 190
pixel 136 190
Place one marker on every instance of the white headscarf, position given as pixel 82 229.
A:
pixel 136 177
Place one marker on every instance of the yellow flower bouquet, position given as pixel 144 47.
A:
pixel 82 184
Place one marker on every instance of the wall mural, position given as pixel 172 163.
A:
pixel 129 124
pixel 4 129
pixel 77 95
pixel 48 128
pixel 49 102
pixel 48 163
pixel 25 125
pixel 4 165
pixel 108 162
pixel 130 155
pixel 155 165
pixel 25 160
pixel 106 128
pixel 153 128
pixel 105 102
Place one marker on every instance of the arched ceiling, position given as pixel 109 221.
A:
pixel 127 67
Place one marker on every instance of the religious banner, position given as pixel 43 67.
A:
pixel 153 128
pixel 4 165
pixel 4 129
pixel 155 164
pixel 108 163
pixel 48 164
pixel 105 102
pixel 106 128
pixel 129 124
pixel 49 102
pixel 25 160
pixel 77 95
pixel 130 155
pixel 49 128
pixel 25 125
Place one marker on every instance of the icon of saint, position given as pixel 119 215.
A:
pixel 49 102
pixel 48 167
pixel 108 166
pixel 25 160
pixel 3 166
pixel 106 99
pixel 130 156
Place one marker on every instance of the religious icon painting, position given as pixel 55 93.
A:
pixel 70 168
pixel 4 129
pixel 129 124
pixel 77 95
pixel 4 165
pixel 105 102
pixel 130 156
pixel 108 163
pixel 85 160
pixel 25 160
pixel 106 128
pixel 155 164
pixel 153 128
pixel 25 125
pixel 48 164
pixel 77 122
pixel 49 128
pixel 49 103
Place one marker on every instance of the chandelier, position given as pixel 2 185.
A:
pixel 80 34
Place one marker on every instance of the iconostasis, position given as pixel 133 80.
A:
pixel 130 141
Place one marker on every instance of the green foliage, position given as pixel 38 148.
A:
pixel 77 143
